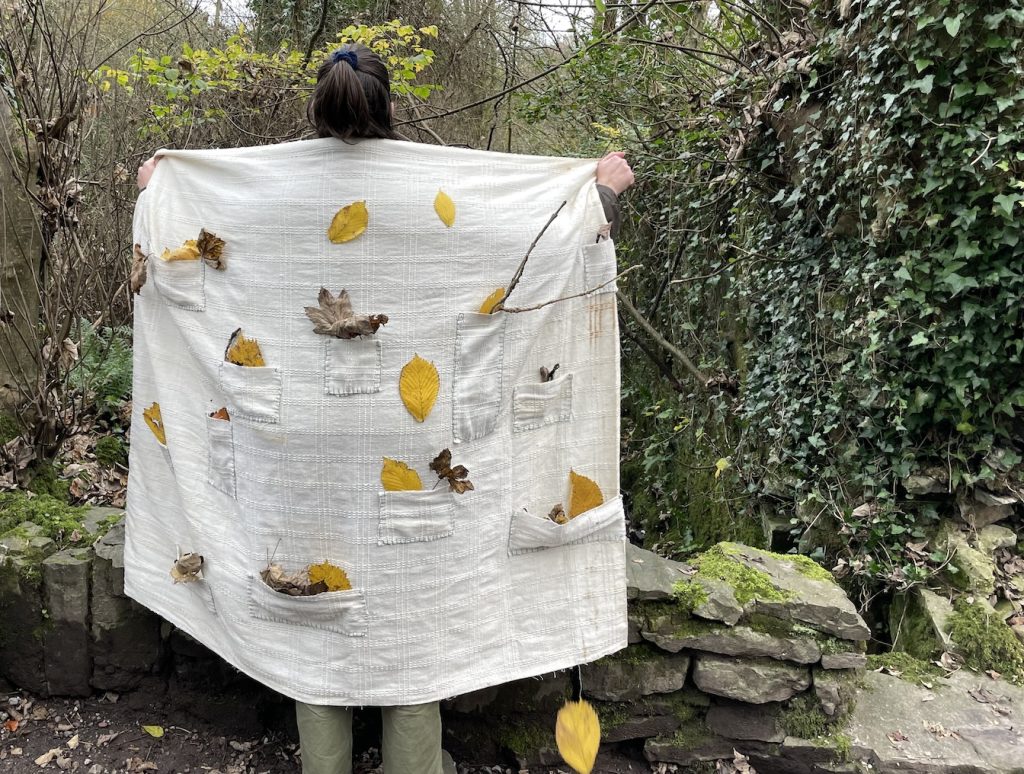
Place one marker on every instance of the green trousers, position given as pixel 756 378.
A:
pixel 411 743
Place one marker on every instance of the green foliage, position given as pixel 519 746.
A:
pixel 906 667
pixel 111 451
pixel 9 428
pixel 59 520
pixel 985 641
pixel 198 86
pixel 748 584
pixel 104 369
pixel 45 481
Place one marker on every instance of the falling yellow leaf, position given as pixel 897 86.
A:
pixel 445 208
pixel 396 476
pixel 488 305
pixel 584 494
pixel 155 422
pixel 333 576
pixel 187 252
pixel 418 384
pixel 244 352
pixel 721 465
pixel 578 735
pixel 348 223
pixel 155 731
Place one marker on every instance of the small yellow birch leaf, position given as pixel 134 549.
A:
pixel 721 465
pixel 445 208
pixel 154 731
pixel 334 577
pixel 584 494
pixel 244 352
pixel 396 476
pixel 418 384
pixel 578 735
pixel 488 305
pixel 348 223
pixel 155 422
pixel 187 252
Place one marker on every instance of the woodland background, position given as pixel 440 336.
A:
pixel 822 342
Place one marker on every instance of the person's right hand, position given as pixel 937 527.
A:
pixel 146 171
pixel 614 172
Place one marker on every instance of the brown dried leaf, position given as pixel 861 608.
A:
pixel 188 568
pixel 557 514
pixel 334 317
pixel 457 476
pixel 548 375
pixel 211 250
pixel 221 413
pixel 138 275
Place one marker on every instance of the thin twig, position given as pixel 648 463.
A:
pixel 522 264
pixel 661 340
pixel 566 298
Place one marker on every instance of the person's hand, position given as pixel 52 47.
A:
pixel 614 172
pixel 146 171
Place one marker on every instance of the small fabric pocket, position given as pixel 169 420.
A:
pixel 600 266
pixel 252 392
pixel 220 471
pixel 479 361
pixel 605 523
pixel 201 589
pixel 343 612
pixel 352 366
pixel 416 516
pixel 542 403
pixel 180 283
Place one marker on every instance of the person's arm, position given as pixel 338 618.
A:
pixel 614 176
pixel 146 172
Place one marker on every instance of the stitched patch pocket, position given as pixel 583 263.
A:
pixel 220 470
pixel 252 392
pixel 476 383
pixel 542 403
pixel 343 612
pixel 600 266
pixel 352 366
pixel 605 523
pixel 202 590
pixel 180 283
pixel 416 516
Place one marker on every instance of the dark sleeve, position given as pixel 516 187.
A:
pixel 612 210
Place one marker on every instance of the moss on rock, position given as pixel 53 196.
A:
pixel 720 563
pixel 905 666
pixel 986 642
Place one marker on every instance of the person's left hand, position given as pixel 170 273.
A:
pixel 614 172
pixel 146 171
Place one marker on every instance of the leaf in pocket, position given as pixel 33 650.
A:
pixel 348 223
pixel 578 735
pixel 294 584
pixel 138 275
pixel 211 250
pixel 457 476
pixel 187 252
pixel 155 422
pixel 187 568
pixel 221 413
pixel 331 575
pixel 418 384
pixel 334 317
pixel 489 303
pixel 396 476
pixel 243 351
pixel 445 208
pixel 584 494
pixel 548 375
pixel 557 514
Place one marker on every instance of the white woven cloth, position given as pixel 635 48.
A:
pixel 451 592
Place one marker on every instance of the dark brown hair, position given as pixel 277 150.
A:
pixel 352 98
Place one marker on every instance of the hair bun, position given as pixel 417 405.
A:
pixel 346 56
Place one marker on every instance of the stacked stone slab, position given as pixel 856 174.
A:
pixel 66 627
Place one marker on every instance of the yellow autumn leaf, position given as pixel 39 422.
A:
pixel 445 208
pixel 578 735
pixel 584 494
pixel 155 422
pixel 396 476
pixel 187 252
pixel 243 351
pixel 348 223
pixel 155 731
pixel 488 305
pixel 722 465
pixel 418 384
pixel 333 576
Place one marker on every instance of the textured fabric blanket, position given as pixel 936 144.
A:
pixel 398 493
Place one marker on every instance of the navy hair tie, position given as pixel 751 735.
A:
pixel 346 56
